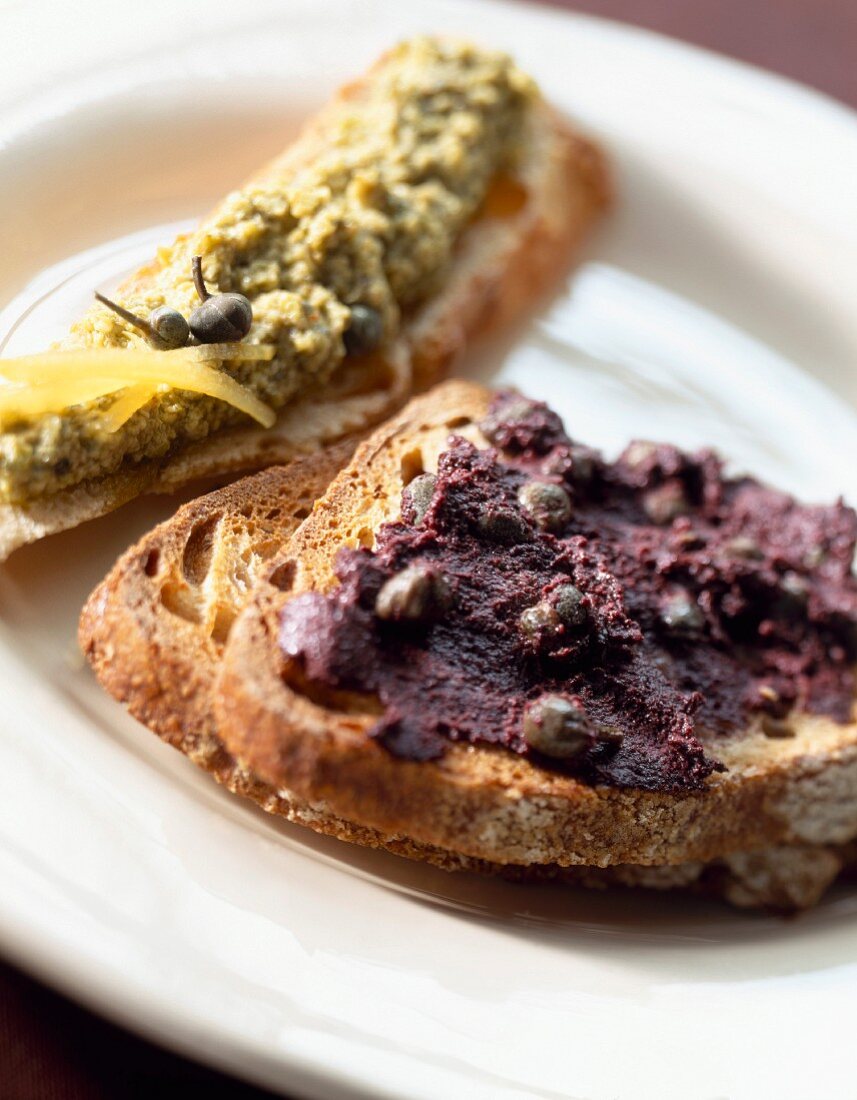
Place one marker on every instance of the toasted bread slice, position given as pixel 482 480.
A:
pixel 480 801
pixel 154 631
pixel 507 256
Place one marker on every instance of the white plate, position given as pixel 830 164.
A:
pixel 717 306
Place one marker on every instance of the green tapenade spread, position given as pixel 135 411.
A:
pixel 371 215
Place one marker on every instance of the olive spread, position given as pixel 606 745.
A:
pixel 331 246
pixel 610 619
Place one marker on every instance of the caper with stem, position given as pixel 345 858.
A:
pixel 220 318
pixel 365 330
pixel 165 328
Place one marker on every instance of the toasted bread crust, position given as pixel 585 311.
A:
pixel 501 265
pixel 154 629
pixel 480 801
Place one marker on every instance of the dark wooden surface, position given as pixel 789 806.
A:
pixel 52 1050
pixel 814 41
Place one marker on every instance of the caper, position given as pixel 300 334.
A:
pixel 494 425
pixel 221 318
pixel 583 464
pixel 793 596
pixel 558 727
pixel 794 586
pixel 419 494
pixel 638 453
pixel 365 330
pixel 665 503
pixel 165 328
pixel 170 326
pixel 688 540
pixel 569 603
pixel 548 505
pixel 681 614
pixel 415 594
pixel 504 526
pixel 743 547
pixel 775 728
pixel 539 619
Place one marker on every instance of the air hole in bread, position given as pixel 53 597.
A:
pixel 223 619
pixel 179 600
pixel 301 513
pixel 275 513
pixel 196 560
pixel 411 465
pixel 283 576
pixel 365 537
pixel 459 422
pixel 262 551
pixel 151 562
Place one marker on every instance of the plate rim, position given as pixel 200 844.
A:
pixel 138 1009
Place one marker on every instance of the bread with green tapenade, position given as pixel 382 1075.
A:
pixel 439 192
pixel 154 631
pixel 766 781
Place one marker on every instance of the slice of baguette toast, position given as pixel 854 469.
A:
pixel 484 802
pixel 502 263
pixel 154 631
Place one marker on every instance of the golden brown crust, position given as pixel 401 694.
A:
pixel 154 628
pixel 483 802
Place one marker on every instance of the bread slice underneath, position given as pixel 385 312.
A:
pixel 483 801
pixel 504 261
pixel 155 628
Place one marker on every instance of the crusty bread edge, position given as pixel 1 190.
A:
pixel 152 630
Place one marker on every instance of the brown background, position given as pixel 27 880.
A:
pixel 50 1049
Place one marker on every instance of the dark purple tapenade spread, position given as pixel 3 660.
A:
pixel 594 615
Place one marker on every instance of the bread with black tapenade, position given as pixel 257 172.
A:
pixel 480 800
pixel 155 630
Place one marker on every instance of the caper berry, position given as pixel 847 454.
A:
pixel 795 586
pixel 365 330
pixel 793 596
pixel 769 694
pixel 166 328
pixel 557 727
pixel 221 318
pixel 665 503
pixel 548 505
pixel 539 620
pixel 775 728
pixel 170 326
pixel 495 423
pixel 639 453
pixel 583 464
pixel 688 540
pixel 569 603
pixel 504 526
pixel 681 614
pixel 416 594
pixel 744 547
pixel 419 494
